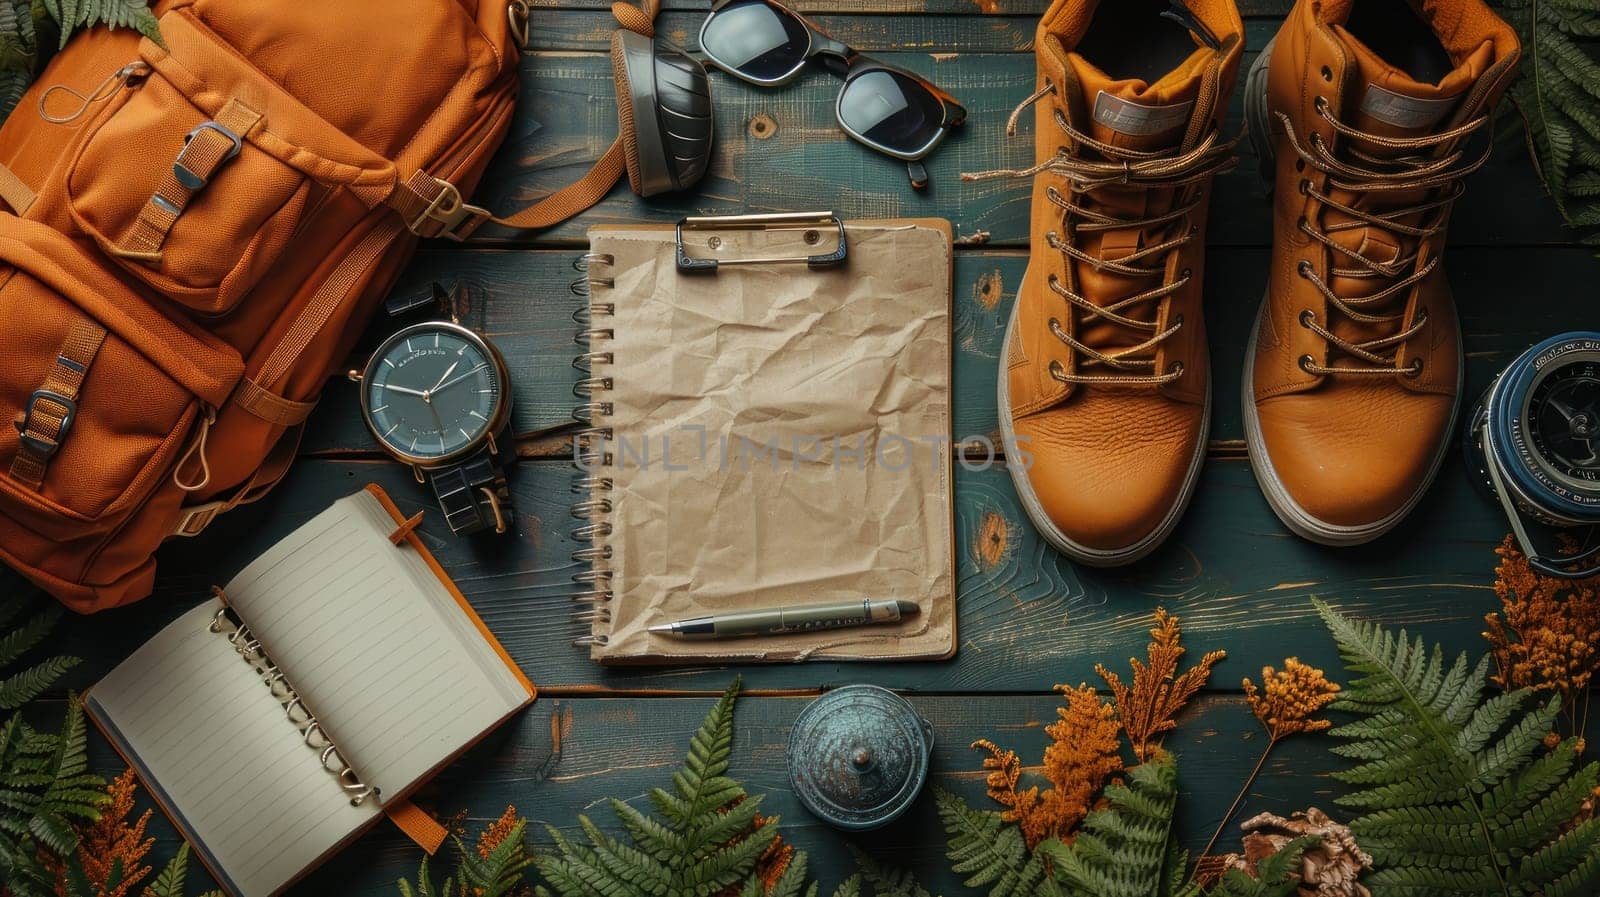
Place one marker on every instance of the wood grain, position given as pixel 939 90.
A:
pixel 1028 618
pixel 1509 298
pixel 568 118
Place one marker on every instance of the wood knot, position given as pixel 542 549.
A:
pixel 988 290
pixel 994 534
pixel 763 126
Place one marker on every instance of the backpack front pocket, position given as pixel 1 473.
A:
pixel 198 176
pixel 101 394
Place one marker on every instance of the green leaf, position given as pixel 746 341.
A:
pixel 75 15
pixel 170 882
pixel 1458 793
pixel 1123 850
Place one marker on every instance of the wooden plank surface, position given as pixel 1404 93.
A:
pixel 1028 619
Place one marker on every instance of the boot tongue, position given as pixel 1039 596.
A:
pixel 1383 100
pixel 1132 113
pixel 1136 115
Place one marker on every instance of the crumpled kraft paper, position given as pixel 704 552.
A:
pixel 780 436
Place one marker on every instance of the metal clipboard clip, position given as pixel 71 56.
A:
pixel 806 221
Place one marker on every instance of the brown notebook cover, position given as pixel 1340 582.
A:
pixel 367 637
pixel 774 435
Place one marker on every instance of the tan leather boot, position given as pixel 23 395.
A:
pixel 1105 391
pixel 1374 110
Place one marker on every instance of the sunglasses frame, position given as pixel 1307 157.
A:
pixel 845 61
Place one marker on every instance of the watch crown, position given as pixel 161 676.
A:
pixel 354 375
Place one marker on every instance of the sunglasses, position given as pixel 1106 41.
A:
pixel 896 112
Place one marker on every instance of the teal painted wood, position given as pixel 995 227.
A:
pixel 1028 619
pixel 1509 298
pixel 1032 8
pixel 568 118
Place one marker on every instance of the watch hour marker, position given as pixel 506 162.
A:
pixel 464 433
pixel 474 413
pixel 389 363
pixel 408 346
pixel 436 340
pixel 392 429
pixel 380 409
pixel 413 443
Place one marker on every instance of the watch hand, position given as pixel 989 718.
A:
pixel 446 375
pixel 443 386
pixel 401 389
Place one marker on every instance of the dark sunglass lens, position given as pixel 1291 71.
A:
pixel 891 110
pixel 754 39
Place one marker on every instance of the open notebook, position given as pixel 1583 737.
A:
pixel 766 435
pixel 280 720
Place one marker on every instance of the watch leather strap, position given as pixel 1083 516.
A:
pixel 473 494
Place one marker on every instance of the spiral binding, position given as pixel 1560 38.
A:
pixel 592 508
pixel 249 647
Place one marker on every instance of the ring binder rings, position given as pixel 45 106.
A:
pixel 317 689
pixel 227 622
pixel 797 322
pixel 589 445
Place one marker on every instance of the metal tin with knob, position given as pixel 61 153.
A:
pixel 1534 443
pixel 859 756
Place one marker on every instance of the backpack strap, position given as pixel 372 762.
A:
pixel 50 411
pixel 432 207
pixel 207 148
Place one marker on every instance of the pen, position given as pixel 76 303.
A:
pixel 798 618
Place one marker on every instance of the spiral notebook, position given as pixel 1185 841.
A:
pixel 283 718
pixel 764 434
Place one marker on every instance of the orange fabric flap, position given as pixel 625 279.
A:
pixel 418 825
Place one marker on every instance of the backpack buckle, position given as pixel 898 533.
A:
pixel 448 216
pixel 43 448
pixel 193 180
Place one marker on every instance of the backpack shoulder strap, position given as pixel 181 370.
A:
pixel 434 208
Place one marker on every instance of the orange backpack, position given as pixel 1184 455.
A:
pixel 201 231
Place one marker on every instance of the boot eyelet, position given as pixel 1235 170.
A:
pixel 1414 370
pixel 1187 273
pixel 1053 281
pixel 1194 230
pixel 1299 165
pixel 1422 315
pixel 1177 321
pixel 1057 371
pixel 1307 318
pixel 1175 369
pixel 1306 361
pixel 1305 187
pixel 1052 194
pixel 1055 324
pixel 1304 268
pixel 1327 73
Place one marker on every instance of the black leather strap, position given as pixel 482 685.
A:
pixel 473 494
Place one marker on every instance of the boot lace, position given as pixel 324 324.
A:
pixel 1119 168
pixel 1364 173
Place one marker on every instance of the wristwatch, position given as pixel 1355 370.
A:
pixel 437 396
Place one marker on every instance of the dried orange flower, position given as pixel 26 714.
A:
pixel 1159 693
pixel 1547 634
pixel 497 832
pixel 1288 700
pixel 111 842
pixel 1084 752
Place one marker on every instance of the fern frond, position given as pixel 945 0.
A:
pixel 990 852
pixel 170 882
pixel 73 15
pixel 886 881
pixel 1460 795
pixel 1125 849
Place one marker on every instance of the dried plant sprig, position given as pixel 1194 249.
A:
pixel 1085 751
pixel 1288 700
pixel 1159 693
pixel 1287 703
pixel 112 849
pixel 498 831
pixel 1546 635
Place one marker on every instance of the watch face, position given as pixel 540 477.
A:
pixel 432 392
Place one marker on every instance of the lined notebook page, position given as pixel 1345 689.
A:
pixel 372 640
pixel 200 720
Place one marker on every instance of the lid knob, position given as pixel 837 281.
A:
pixel 858 756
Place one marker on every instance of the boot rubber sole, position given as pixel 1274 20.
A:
pixel 1078 553
pixel 1295 517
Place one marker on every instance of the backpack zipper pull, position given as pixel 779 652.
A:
pixel 197 449
pixel 115 81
